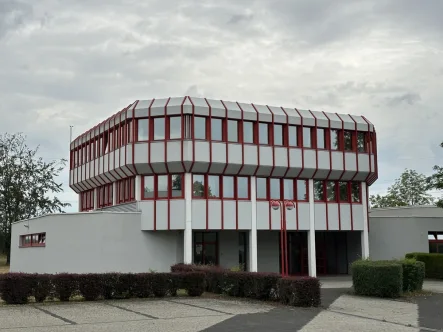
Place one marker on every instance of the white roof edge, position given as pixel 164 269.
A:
pixel 403 207
pixel 77 213
pixel 408 217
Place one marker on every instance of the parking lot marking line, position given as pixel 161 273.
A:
pixel 200 307
pixel 55 315
pixel 129 310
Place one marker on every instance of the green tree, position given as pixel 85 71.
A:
pixel 435 181
pixel 410 189
pixel 26 183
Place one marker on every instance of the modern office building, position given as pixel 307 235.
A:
pixel 196 180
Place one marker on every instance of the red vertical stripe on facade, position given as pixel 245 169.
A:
pixel 286 141
pixel 209 138
pixel 227 162
pixel 127 141
pixel 243 144
pixel 134 124
pixel 183 132
pixel 301 145
pixel 192 135
pixel 344 167
pixel 271 139
pixel 316 144
pixel 355 141
pixel 165 141
pixel 330 166
pixel 369 149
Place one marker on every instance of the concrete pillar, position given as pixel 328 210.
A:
pixel 253 232
pixel 187 241
pixel 79 202
pixel 138 188
pixel 114 193
pixel 365 232
pixel 95 198
pixel 311 234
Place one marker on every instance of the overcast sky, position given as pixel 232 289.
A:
pixel 77 62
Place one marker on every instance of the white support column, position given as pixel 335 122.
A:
pixel 187 241
pixel 138 188
pixel 95 199
pixel 312 258
pixel 365 233
pixel 253 232
pixel 114 193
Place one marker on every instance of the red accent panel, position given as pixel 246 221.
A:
pixel 226 165
pixel 301 145
pixel 134 124
pixel 356 148
pixel 342 142
pixel 243 144
pixel 286 141
pixel 330 166
pixel 165 141
pixel 150 126
pixel 316 145
pixel 192 136
pixel 369 150
pixel 271 132
pixel 183 132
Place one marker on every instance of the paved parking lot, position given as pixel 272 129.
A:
pixel 340 311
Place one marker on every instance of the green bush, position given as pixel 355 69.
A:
pixel 42 287
pixel 300 292
pixel 90 286
pixel 16 287
pixel 377 278
pixel 65 285
pixel 413 275
pixel 193 283
pixel 433 263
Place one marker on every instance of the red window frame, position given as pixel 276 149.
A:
pixel 125 190
pixel 323 186
pixel 105 195
pixel 169 185
pixel 238 123
pixel 35 240
pixel 311 134
pixel 349 198
pixel 283 134
pixel 204 243
pixel 325 138
pixel 281 182
pixel 223 125
pixel 298 136
pixel 269 138
pixel 87 200
pixel 221 187
pixel 137 130
pixel 254 132
pixel 168 126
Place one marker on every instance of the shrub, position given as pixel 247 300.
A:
pixel 41 286
pixel 193 283
pixel 377 278
pixel 160 283
pixel 90 286
pixel 143 285
pixel 433 263
pixel 110 281
pixel 16 287
pixel 413 275
pixel 124 287
pixel 233 283
pixel 65 285
pixel 174 283
pixel 265 286
pixel 300 292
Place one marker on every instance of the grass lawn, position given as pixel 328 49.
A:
pixel 3 267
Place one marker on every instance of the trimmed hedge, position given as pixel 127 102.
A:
pixel 377 278
pixel 300 292
pixel 303 292
pixel 16 288
pixel 413 275
pixel 433 263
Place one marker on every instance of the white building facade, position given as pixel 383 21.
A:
pixel 196 178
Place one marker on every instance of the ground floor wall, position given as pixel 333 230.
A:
pixel 392 237
pixel 94 242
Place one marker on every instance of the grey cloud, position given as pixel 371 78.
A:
pixel 13 14
pixel 237 18
pixel 407 98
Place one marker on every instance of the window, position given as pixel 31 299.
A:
pixel 159 129
pixel 319 191
pixel 435 242
pixel 343 191
pixel 355 192
pixel 198 185
pixel 335 139
pixel 292 136
pixel 232 131
pixel 331 191
pixel 263 133
pixel 361 142
pixel 126 190
pixel 213 186
pixel 248 132
pixel 205 248
pixel 33 240
pixel 176 185
pixel 87 200
pixel 242 187
pixel 288 189
pixel 105 195
pixel 262 188
pixel 130 132
pixel 307 141
pixel 278 134
pixel 302 190
pixel 275 188
pixel 187 124
pixel 228 187
pixel 175 127
pixel 347 140
pixel 216 129
pixel 162 186
pixel 321 138
pixel 199 127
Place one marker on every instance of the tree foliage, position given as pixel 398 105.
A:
pixel 410 189
pixel 26 183
pixel 435 181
